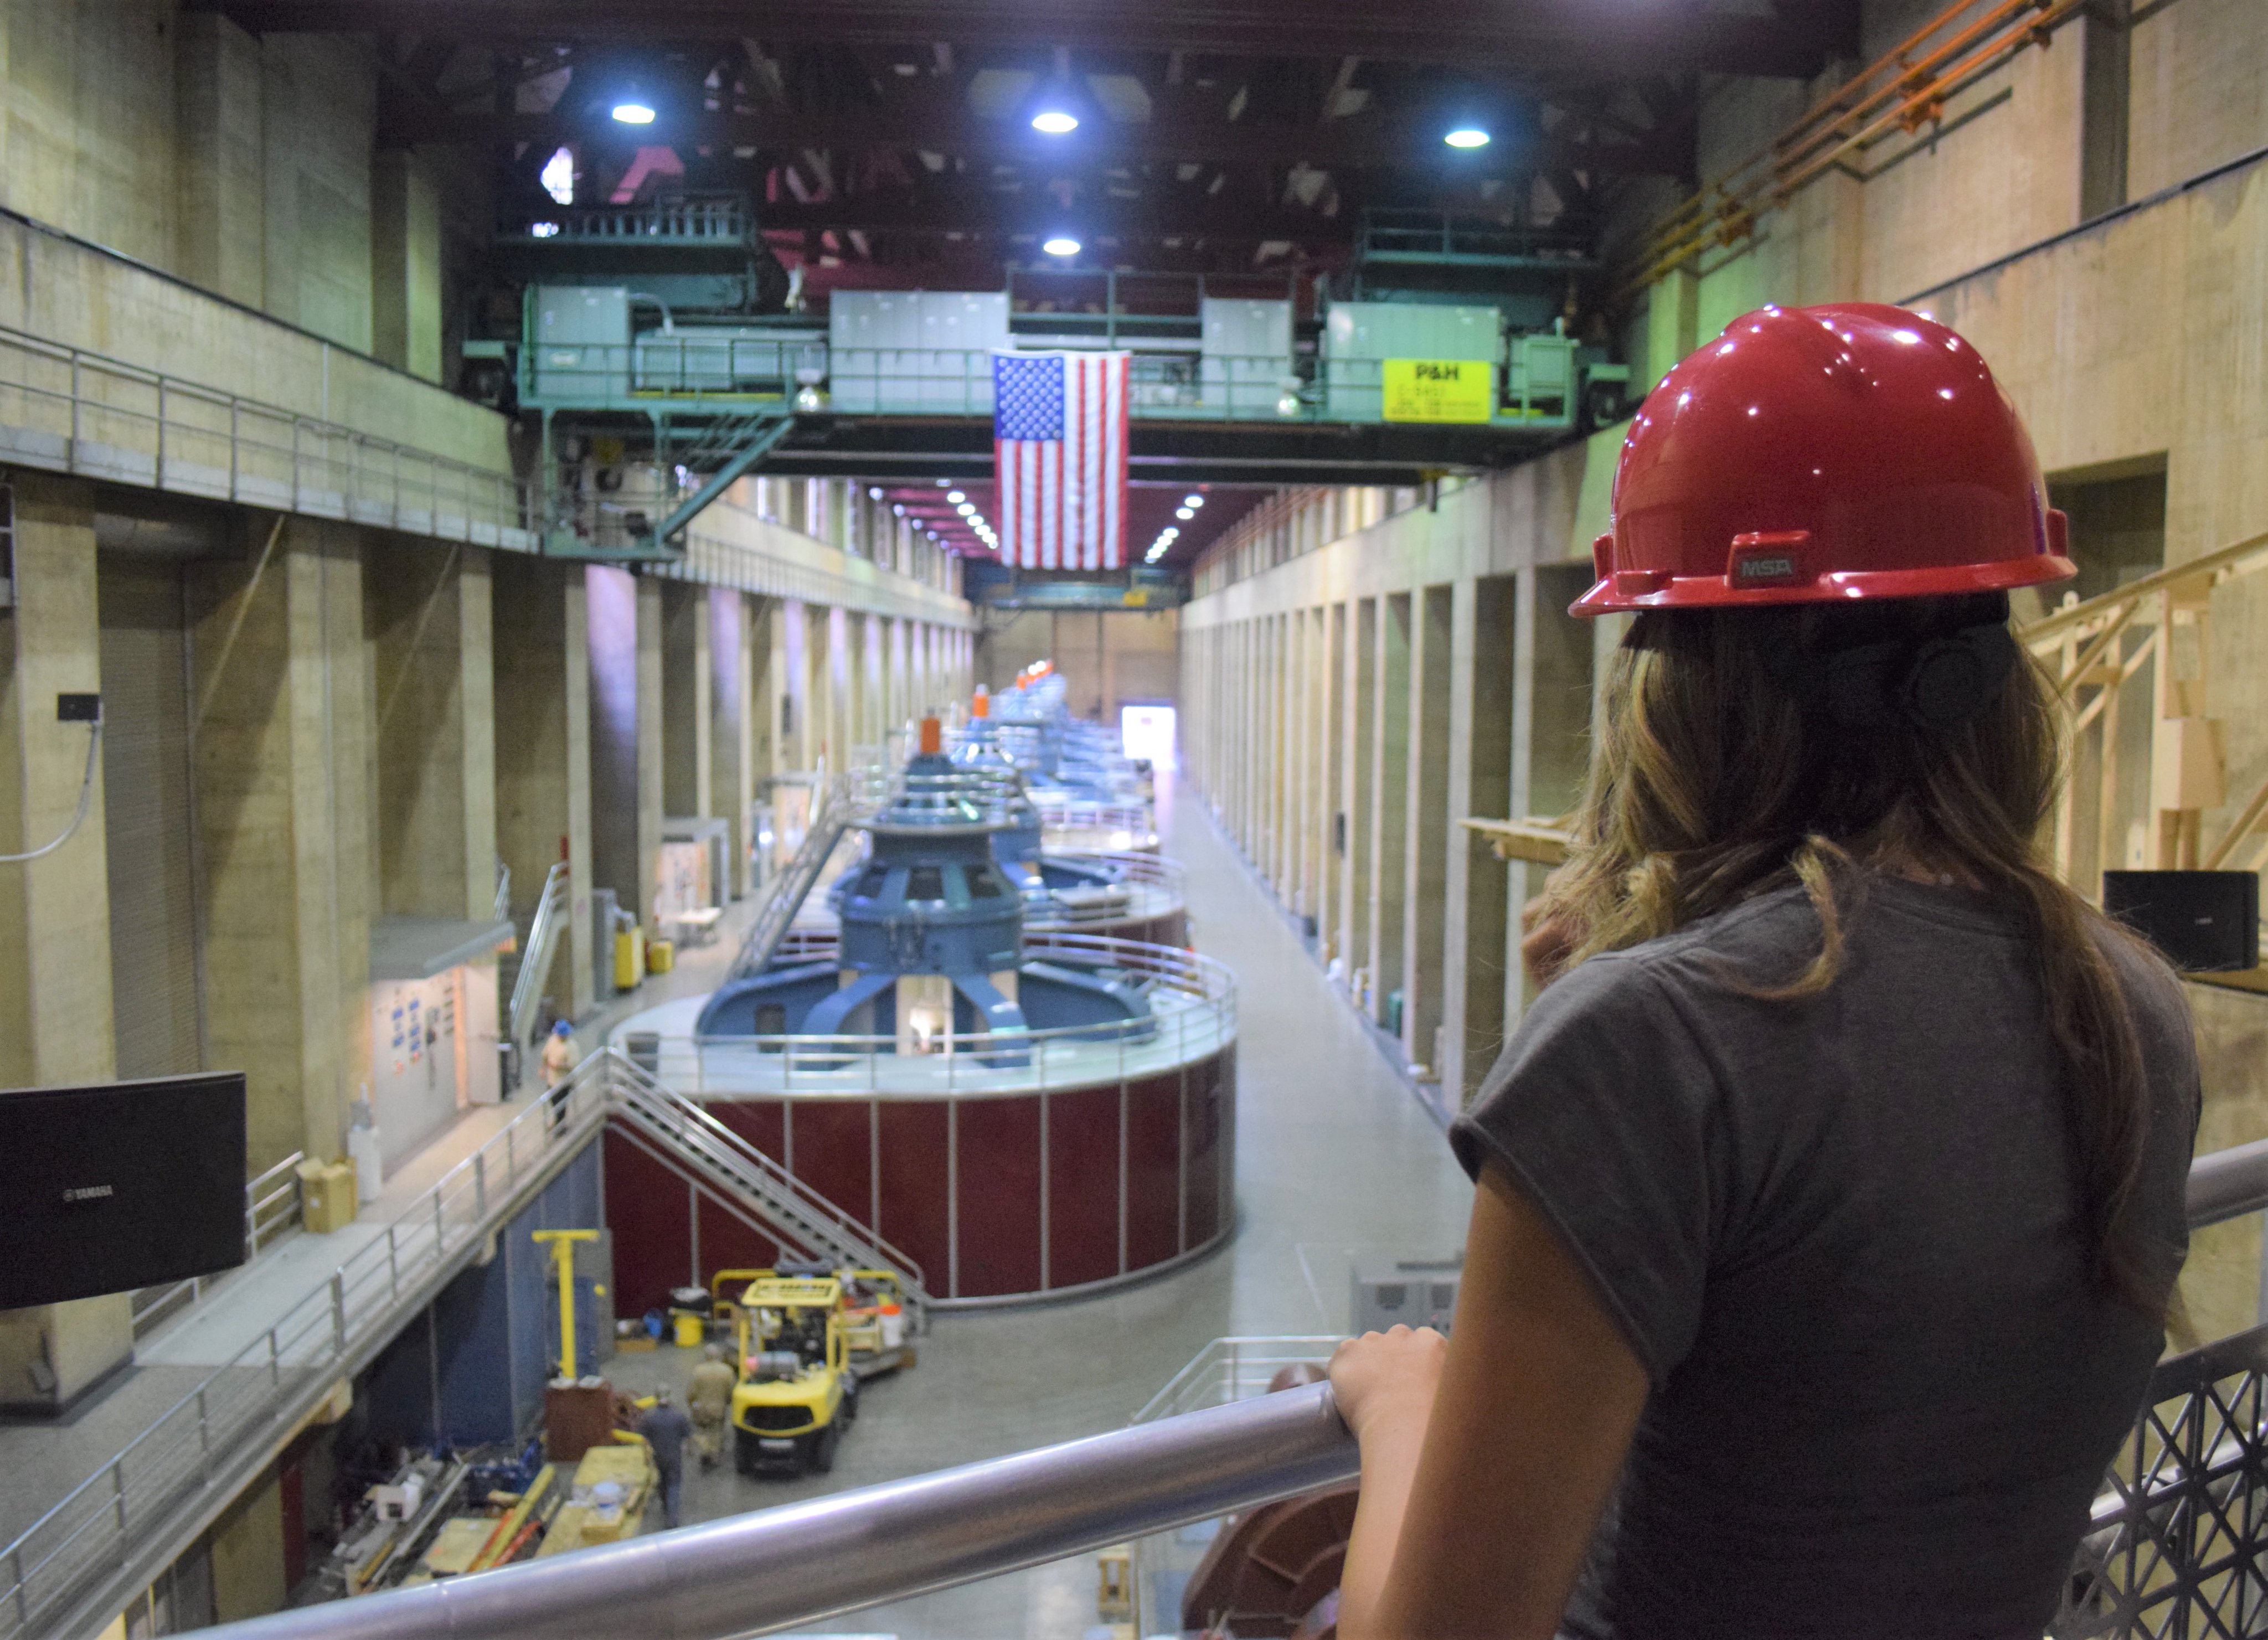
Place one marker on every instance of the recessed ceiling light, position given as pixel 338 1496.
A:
pixel 1193 501
pixel 1054 121
pixel 1185 513
pixel 956 497
pixel 632 112
pixel 1467 137
pixel 1062 245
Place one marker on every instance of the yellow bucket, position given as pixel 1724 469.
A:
pixel 692 1331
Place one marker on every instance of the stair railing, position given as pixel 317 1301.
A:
pixel 839 808
pixel 535 961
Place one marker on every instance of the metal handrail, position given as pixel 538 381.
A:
pixel 839 808
pixel 974 1063
pixel 319 1337
pixel 790 1565
pixel 825 1227
pixel 345 1319
pixel 793 1565
pixel 264 1194
pixel 1234 1368
pixel 187 437
pixel 535 962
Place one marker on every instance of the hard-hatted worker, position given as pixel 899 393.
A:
pixel 665 1429
pixel 710 1400
pixel 1830 1193
pixel 559 1062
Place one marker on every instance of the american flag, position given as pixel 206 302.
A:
pixel 1059 454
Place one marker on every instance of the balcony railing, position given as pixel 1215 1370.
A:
pixel 66 409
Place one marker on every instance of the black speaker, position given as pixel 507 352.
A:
pixel 2204 922
pixel 119 1186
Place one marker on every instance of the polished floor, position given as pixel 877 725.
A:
pixel 1336 1159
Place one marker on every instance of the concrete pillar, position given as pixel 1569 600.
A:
pixel 1390 812
pixel 1430 822
pixel 283 764
pixel 1521 631
pixel 405 257
pixel 649 746
pixel 543 752
pixel 842 672
pixel 222 214
pixel 1478 934
pixel 427 609
pixel 1361 756
pixel 1331 808
pixel 731 688
pixel 625 640
pixel 55 912
pixel 688 685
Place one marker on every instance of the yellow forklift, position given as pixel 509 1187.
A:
pixel 806 1337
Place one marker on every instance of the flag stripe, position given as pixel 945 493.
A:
pixel 1060 454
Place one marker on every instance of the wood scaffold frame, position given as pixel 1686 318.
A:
pixel 2093 649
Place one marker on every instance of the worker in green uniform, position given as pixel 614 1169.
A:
pixel 710 1400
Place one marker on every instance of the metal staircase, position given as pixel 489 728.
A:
pixel 680 1135
pixel 838 810
pixel 533 965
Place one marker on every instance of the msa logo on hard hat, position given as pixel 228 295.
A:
pixel 1770 558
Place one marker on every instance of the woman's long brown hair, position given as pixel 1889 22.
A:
pixel 1713 782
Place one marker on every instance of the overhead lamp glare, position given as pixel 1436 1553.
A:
pixel 956 497
pixel 1193 500
pixel 630 111
pixel 1054 121
pixel 1467 137
pixel 1061 245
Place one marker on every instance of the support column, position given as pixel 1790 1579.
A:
pixel 1430 820
pixel 1478 935
pixel 282 750
pixel 1360 794
pixel 687 682
pixel 55 1026
pixel 1390 815
pixel 428 611
pixel 625 639
pixel 732 727
pixel 543 753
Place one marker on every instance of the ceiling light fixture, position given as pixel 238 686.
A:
pixel 1061 245
pixel 630 111
pixel 1467 137
pixel 1193 501
pixel 1185 513
pixel 1054 121
pixel 956 497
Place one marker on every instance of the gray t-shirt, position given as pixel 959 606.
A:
pixel 1839 1233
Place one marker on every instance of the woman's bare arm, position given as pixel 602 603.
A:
pixel 1486 1463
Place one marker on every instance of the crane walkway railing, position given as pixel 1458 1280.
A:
pixel 839 809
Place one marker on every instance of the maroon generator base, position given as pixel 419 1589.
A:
pixel 1021 1196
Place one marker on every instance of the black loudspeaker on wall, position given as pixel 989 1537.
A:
pixel 119 1186
pixel 2204 922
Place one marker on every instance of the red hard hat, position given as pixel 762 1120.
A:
pixel 1813 454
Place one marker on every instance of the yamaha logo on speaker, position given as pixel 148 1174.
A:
pixel 88 1193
